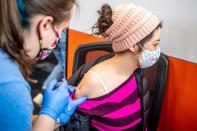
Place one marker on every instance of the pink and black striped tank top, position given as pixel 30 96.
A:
pixel 118 110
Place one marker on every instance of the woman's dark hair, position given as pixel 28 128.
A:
pixel 12 28
pixel 104 20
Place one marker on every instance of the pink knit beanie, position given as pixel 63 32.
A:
pixel 131 24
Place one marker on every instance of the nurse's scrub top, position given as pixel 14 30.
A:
pixel 16 107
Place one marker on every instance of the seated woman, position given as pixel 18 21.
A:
pixel 114 102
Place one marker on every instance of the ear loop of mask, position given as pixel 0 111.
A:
pixel 141 46
pixel 58 36
pixel 50 49
pixel 41 43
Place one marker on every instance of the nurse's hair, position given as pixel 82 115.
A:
pixel 14 19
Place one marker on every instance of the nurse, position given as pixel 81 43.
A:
pixel 30 30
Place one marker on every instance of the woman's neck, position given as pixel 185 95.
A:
pixel 126 60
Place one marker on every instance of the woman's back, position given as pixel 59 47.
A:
pixel 113 102
pixel 118 110
pixel 111 72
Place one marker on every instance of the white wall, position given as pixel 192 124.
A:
pixel 179 34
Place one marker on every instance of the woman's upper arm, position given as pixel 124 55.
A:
pixel 86 86
pixel 16 107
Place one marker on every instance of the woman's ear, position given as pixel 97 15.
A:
pixel 45 26
pixel 135 49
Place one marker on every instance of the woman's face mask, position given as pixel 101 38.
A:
pixel 45 52
pixel 149 58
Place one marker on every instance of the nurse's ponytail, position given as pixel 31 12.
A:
pixel 14 21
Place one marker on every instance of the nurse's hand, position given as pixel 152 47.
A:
pixel 70 109
pixel 56 98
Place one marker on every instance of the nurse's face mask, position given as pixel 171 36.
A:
pixel 149 58
pixel 45 52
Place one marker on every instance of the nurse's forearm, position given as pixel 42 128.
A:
pixel 34 118
pixel 43 123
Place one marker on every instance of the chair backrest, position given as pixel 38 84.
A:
pixel 85 53
pixel 154 78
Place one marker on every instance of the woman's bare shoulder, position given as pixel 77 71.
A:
pixel 86 86
pixel 90 85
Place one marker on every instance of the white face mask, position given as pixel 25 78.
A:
pixel 149 58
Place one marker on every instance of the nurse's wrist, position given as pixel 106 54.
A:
pixel 44 123
pixel 49 112
pixel 47 117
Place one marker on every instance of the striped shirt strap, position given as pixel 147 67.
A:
pixel 99 79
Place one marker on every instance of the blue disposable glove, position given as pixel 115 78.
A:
pixel 70 109
pixel 55 99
